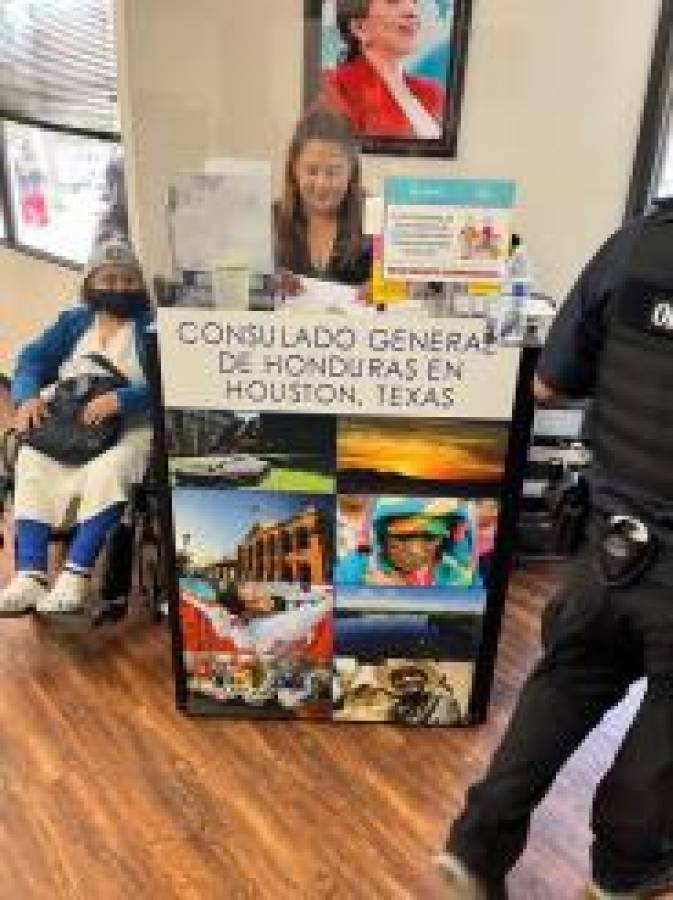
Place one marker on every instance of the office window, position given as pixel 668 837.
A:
pixel 57 188
pixel 652 176
pixel 59 120
pixel 664 181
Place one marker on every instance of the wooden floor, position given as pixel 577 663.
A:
pixel 107 792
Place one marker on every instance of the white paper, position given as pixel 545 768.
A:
pixel 324 297
pixel 374 215
pixel 426 242
pixel 231 165
pixel 223 215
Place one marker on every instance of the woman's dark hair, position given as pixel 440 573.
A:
pixel 346 11
pixel 322 124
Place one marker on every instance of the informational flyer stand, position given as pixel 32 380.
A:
pixel 341 490
pixel 440 229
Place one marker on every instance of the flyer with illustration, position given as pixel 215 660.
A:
pixel 441 229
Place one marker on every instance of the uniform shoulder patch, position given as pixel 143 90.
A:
pixel 646 308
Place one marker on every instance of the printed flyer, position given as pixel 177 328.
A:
pixel 447 229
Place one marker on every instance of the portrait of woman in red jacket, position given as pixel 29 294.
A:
pixel 373 85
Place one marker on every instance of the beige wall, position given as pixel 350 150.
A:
pixel 201 79
pixel 31 294
pixel 553 98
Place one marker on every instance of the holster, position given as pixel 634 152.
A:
pixel 626 549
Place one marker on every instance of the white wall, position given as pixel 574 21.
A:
pixel 32 292
pixel 553 98
pixel 200 79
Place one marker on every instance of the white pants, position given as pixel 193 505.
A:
pixel 46 490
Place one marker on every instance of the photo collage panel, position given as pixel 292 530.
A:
pixel 333 567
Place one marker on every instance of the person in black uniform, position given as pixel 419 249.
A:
pixel 612 622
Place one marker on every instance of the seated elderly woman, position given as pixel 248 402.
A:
pixel 106 333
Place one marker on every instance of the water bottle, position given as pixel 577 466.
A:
pixel 518 282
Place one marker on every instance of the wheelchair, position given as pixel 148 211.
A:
pixel 131 564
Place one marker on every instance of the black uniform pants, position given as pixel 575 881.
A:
pixel 597 641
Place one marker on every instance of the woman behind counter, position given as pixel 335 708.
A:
pixel 319 219
pixel 112 323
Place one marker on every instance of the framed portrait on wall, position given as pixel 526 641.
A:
pixel 394 68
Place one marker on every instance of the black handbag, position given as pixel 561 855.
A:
pixel 63 436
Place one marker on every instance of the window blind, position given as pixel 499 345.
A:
pixel 58 63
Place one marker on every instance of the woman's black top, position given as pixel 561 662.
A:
pixel 340 268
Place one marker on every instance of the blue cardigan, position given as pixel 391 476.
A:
pixel 39 361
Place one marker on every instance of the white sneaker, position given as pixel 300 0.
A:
pixel 68 595
pixel 594 892
pixel 463 885
pixel 23 594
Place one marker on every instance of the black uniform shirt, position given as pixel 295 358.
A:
pixel 569 360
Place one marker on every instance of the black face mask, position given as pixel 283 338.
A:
pixel 123 304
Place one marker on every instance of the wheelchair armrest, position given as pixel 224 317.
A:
pixel 9 451
pixel 143 496
pixel 6 488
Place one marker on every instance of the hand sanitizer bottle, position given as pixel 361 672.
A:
pixel 519 280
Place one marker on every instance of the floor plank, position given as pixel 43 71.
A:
pixel 107 792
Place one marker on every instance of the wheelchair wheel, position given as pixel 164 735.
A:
pixel 155 592
pixel 149 563
pixel 116 584
pixel 159 591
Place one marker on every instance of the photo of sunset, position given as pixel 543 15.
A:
pixel 418 456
